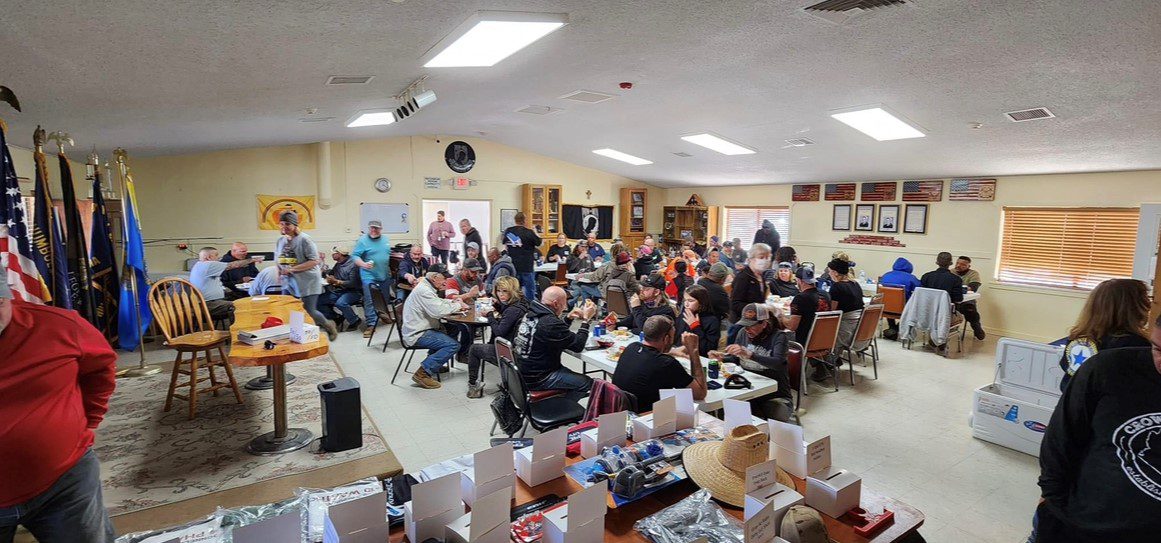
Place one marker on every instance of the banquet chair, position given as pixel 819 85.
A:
pixel 921 315
pixel 821 340
pixel 408 350
pixel 561 279
pixel 545 411
pixel 894 299
pixel 385 311
pixel 617 301
pixel 797 376
pixel 180 311
pixel 865 340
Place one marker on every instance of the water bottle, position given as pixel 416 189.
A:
pixel 863 276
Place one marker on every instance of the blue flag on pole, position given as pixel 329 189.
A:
pixel 129 328
pixel 105 284
pixel 48 239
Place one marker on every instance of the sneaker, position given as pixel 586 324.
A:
pixel 980 335
pixel 421 378
pixel 942 350
pixel 821 374
pixel 475 390
pixel 890 334
pixel 368 331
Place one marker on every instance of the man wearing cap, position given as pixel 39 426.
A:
pixel 57 377
pixel 646 368
pixel 439 236
pixel 343 288
pixel 749 287
pixel 232 278
pixel 543 336
pixel 206 275
pixel 421 326
pixel 471 235
pixel 714 282
pixel 560 251
pixel 472 250
pixel 298 260
pixel 523 246
pixel 595 284
pixel 650 301
pixel 803 307
pixel 466 284
pixel 372 255
pixel 762 346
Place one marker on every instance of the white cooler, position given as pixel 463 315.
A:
pixel 1014 410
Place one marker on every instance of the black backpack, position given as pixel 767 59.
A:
pixel 507 417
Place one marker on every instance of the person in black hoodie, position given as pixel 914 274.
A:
pixel 768 235
pixel 748 285
pixel 697 317
pixel 523 246
pixel 1100 460
pixel 543 336
pixel 508 310
pixel 762 346
pixel 646 262
pixel 1115 315
pixel 471 234
pixel 719 298
pixel 651 300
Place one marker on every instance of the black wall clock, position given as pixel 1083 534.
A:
pixel 460 157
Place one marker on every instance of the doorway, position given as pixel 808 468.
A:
pixel 478 212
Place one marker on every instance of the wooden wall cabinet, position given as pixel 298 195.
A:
pixel 633 211
pixel 701 222
pixel 542 211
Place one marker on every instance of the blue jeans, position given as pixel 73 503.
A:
pixel 71 510
pixel 585 291
pixel 528 284
pixel 369 315
pixel 576 385
pixel 341 300
pixel 440 348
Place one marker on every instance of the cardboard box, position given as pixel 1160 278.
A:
pixel 580 520
pixel 686 408
pixel 470 489
pixel 544 460
pixel 492 470
pixel 833 491
pixel 433 505
pixel 610 430
pixel 1014 410
pixel 488 522
pixel 782 496
pixel 300 332
pixel 429 527
pixel 814 457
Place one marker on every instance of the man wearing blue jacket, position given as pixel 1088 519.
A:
pixel 899 276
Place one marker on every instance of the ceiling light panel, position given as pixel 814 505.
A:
pixel 623 157
pixel 878 122
pixel 719 144
pixel 371 117
pixel 488 37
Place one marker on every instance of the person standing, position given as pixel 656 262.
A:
pixel 207 274
pixel 1115 315
pixel 523 246
pixel 1100 460
pixel 372 255
pixel 769 236
pixel 298 259
pixel 471 235
pixel 57 375
pixel 421 327
pixel 233 277
pixel 439 236
pixel 343 289
pixel 749 287
pixel 971 279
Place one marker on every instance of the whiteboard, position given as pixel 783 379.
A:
pixel 395 217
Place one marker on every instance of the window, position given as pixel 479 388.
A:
pixel 1067 247
pixel 742 222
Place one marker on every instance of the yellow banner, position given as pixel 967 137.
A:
pixel 269 207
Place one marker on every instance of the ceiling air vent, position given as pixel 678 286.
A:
pixel 1033 114
pixel 315 119
pixel 845 11
pixel 538 110
pixel 349 79
pixel 683 154
pixel 799 142
pixel 588 97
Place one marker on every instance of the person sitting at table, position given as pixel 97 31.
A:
pixel 206 275
pixel 824 281
pixel 942 278
pixel 784 284
pixel 712 256
pixel 658 254
pixel 421 327
pixel 762 346
pixel 899 276
pixel 542 338
pixel 579 261
pixel 679 278
pixel 688 244
pixel 595 285
pixel 646 263
pixel 508 308
pixel 466 284
pixel 560 251
pixel 845 296
pixel 269 281
pixel 803 307
pixel 596 252
pixel 502 266
pixel 971 278
pixel 713 283
pixel 1115 315
pixel 472 250
pixel 737 253
pixel 234 277
pixel 646 368
pixel 343 289
pixel 651 300
pixel 698 318
pixel 748 284
pixel 411 270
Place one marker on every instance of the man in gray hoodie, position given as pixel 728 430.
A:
pixel 499 265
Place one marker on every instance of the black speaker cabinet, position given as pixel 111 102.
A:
pixel 342 424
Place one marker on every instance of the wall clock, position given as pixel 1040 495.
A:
pixel 382 184
pixel 460 156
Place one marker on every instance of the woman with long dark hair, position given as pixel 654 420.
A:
pixel 698 317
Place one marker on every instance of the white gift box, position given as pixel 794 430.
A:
pixel 544 460
pixel 488 522
pixel 686 408
pixel 610 431
pixel 433 505
pixel 300 332
pixel 833 491
pixel 797 456
pixel 470 489
pixel 782 496
pixel 580 520
pixel 429 527
pixel 662 421
pixel 492 470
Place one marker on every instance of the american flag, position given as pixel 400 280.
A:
pixel 15 246
pixel 972 189
pixel 878 192
pixel 840 191
pixel 805 193
pixel 922 191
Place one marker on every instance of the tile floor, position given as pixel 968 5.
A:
pixel 907 433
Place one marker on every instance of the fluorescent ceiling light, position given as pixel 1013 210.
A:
pixel 878 123
pixel 719 144
pixel 488 37
pixel 617 155
pixel 371 117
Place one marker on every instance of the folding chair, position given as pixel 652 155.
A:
pixel 561 279
pixel 385 311
pixel 821 340
pixel 617 301
pixel 894 299
pixel 398 309
pixel 955 322
pixel 543 414
pixel 865 339
pixel 797 375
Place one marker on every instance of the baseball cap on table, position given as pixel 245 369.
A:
pixel 806 274
pixel 375 224
pixel 654 281
pixel 440 268
pixel 623 258
pixel 472 264
pixel 803 524
pixel 753 314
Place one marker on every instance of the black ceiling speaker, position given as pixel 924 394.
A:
pixel 460 156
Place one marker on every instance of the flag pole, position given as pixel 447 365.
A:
pixel 142 369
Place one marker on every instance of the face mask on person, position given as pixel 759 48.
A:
pixel 760 265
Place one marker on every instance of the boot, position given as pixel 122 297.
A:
pixel 423 379
pixel 332 330
pixel 475 390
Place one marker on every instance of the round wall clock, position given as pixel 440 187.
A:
pixel 460 156
pixel 382 184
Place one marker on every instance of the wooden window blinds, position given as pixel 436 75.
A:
pixel 1067 247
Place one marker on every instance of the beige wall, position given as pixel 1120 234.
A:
pixel 963 228
pixel 211 195
pixel 25 168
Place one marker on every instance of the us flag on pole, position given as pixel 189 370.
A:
pixel 840 191
pixel 922 191
pixel 15 246
pixel 878 192
pixel 972 190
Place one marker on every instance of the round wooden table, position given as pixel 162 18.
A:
pixel 249 314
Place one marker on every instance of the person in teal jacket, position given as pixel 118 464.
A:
pixel 372 254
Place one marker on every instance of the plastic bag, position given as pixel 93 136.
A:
pixel 249 514
pixel 689 519
pixel 318 500
pixel 207 530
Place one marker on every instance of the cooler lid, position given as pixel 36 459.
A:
pixel 1030 365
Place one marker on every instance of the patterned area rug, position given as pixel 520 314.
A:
pixel 150 458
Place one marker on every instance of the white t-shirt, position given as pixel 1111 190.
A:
pixel 207 276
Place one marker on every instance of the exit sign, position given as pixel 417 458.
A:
pixel 461 183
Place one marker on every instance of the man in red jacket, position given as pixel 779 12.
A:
pixel 56 375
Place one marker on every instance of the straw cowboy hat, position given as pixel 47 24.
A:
pixel 720 466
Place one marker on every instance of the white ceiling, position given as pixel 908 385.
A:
pixel 180 77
